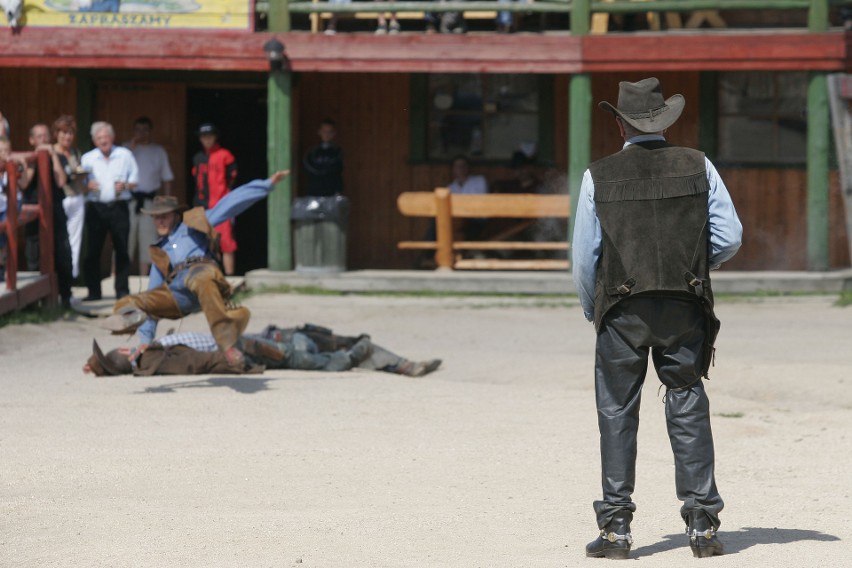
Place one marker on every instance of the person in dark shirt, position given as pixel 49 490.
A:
pixel 324 163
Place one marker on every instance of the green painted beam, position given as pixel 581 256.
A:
pixel 580 17
pixel 817 172
pixel 579 117
pixel 818 16
pixel 279 150
pixel 278 14
pixel 579 138
pixel 819 129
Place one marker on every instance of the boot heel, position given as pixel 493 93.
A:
pixel 616 553
pixel 703 552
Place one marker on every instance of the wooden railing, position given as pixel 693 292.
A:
pixel 44 287
pixel 816 8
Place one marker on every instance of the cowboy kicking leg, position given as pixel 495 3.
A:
pixel 208 284
pixel 131 311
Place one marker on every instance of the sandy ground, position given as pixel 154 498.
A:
pixel 491 461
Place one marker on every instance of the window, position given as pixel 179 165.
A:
pixel 487 117
pixel 762 118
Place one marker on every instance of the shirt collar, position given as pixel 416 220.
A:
pixel 644 138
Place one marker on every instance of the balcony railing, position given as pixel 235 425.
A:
pixel 598 11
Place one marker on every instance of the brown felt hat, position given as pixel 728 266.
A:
pixel 102 365
pixel 165 204
pixel 641 105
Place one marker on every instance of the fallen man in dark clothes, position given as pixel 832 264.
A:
pixel 309 347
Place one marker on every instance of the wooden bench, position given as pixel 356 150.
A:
pixel 444 207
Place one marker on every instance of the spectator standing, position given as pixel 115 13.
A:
pixel 331 29
pixel 5 156
pixel 113 175
pixel 73 203
pixel 40 140
pixel 383 18
pixel 155 177
pixel 324 163
pixel 214 169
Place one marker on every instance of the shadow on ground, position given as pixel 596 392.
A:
pixel 243 385
pixel 737 541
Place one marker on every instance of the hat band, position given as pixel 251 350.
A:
pixel 647 114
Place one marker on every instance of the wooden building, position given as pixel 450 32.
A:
pixel 395 97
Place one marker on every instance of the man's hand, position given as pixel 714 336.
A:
pixel 139 351
pixel 278 176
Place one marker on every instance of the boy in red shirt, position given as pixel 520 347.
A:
pixel 215 171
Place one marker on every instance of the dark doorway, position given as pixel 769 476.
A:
pixel 239 113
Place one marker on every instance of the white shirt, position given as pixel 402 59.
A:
pixel 119 166
pixel 471 185
pixel 153 164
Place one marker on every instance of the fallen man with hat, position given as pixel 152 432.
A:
pixel 185 276
pixel 308 347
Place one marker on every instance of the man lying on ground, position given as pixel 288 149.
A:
pixel 309 347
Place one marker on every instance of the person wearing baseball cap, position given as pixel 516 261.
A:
pixel 651 222
pixel 214 170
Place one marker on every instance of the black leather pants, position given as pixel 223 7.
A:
pixel 672 331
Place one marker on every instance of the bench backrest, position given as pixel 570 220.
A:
pixel 509 205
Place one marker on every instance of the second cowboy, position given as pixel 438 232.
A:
pixel 185 276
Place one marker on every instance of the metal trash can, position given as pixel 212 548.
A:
pixel 319 233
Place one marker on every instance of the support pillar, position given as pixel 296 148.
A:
pixel 579 117
pixel 279 150
pixel 817 151
pixel 279 147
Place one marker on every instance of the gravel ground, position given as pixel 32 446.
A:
pixel 490 461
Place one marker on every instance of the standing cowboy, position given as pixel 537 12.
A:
pixel 185 276
pixel 651 222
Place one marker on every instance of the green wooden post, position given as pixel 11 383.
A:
pixel 817 142
pixel 279 149
pixel 579 115
pixel 279 15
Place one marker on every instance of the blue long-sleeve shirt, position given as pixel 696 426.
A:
pixel 183 243
pixel 726 231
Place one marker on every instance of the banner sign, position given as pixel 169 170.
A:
pixel 150 14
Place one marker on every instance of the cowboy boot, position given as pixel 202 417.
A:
pixel 615 539
pixel 702 535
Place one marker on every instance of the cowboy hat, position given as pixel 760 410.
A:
pixel 165 204
pixel 641 105
pixel 113 363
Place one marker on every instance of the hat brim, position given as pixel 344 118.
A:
pixel 654 122
pixel 99 363
pixel 163 210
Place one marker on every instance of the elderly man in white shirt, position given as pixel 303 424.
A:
pixel 113 175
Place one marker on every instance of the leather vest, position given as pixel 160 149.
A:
pixel 651 201
pixel 195 219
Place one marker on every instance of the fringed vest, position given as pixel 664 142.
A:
pixel 651 200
